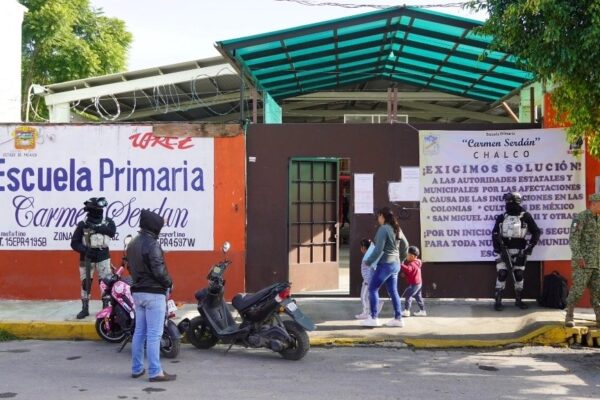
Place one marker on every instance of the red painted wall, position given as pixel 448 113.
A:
pixel 35 275
pixel 592 169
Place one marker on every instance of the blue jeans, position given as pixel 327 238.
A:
pixel 150 309
pixel 413 291
pixel 388 274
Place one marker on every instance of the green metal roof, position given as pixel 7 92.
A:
pixel 418 47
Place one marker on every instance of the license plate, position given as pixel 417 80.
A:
pixel 291 306
pixel 171 306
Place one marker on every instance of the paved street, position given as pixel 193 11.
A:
pixel 93 370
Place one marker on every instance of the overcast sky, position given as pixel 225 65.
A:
pixel 171 31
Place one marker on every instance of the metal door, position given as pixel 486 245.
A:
pixel 313 225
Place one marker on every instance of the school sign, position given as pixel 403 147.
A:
pixel 47 172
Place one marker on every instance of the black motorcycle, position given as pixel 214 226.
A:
pixel 261 325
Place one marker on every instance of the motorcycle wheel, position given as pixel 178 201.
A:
pixel 200 335
pixel 300 345
pixel 169 347
pixel 115 335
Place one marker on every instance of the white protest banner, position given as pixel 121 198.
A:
pixel 47 172
pixel 465 173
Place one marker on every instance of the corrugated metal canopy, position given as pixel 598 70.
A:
pixel 413 46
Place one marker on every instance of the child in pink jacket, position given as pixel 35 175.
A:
pixel 411 267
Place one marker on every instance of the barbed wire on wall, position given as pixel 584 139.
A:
pixel 164 99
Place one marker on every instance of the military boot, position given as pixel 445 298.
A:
pixel 519 301
pixel 569 323
pixel 498 300
pixel 84 309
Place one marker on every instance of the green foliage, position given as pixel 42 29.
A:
pixel 68 39
pixel 6 336
pixel 560 41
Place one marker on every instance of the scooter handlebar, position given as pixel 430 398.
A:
pixel 217 270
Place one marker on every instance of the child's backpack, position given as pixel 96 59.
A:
pixel 554 291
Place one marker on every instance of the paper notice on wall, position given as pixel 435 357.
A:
pixel 404 191
pixel 408 188
pixel 409 173
pixel 363 193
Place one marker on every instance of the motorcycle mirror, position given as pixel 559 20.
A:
pixel 127 240
pixel 226 247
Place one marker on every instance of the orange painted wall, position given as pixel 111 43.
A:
pixel 592 169
pixel 53 275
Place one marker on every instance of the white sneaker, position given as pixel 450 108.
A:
pixel 395 322
pixel 406 313
pixel 370 322
pixel 420 313
pixel 379 306
pixel 361 316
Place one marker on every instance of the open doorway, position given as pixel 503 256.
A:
pixel 345 193
pixel 319 226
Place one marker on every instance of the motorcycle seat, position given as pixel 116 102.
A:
pixel 242 301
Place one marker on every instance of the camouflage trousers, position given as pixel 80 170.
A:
pixel 104 271
pixel 585 278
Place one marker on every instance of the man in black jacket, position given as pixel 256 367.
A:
pixel 151 281
pixel 91 240
pixel 509 238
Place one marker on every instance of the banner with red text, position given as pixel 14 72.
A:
pixel 465 173
pixel 47 172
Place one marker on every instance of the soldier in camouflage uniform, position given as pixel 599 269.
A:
pixel 585 260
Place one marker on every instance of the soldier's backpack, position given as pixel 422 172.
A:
pixel 554 291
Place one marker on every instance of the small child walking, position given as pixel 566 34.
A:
pixel 366 272
pixel 412 271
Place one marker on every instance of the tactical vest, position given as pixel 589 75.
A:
pixel 512 227
pixel 95 240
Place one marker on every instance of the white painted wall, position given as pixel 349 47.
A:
pixel 11 19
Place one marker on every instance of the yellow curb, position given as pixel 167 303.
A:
pixel 51 330
pixel 550 335
pixel 341 342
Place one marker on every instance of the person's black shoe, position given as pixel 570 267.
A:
pixel 84 310
pixel 498 306
pixel 138 374
pixel 519 303
pixel 163 378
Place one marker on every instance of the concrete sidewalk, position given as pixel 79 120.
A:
pixel 450 323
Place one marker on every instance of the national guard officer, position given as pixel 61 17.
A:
pixel 585 258
pixel 91 240
pixel 514 236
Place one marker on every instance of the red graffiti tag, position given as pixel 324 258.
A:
pixel 145 140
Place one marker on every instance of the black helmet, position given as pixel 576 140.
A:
pixel 513 197
pixel 95 203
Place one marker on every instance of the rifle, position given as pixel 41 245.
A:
pixel 87 232
pixel 504 254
